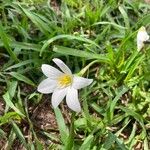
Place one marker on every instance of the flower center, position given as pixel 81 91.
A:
pixel 64 80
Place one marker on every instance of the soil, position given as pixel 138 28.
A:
pixel 43 116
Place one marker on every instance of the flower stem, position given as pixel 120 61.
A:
pixel 87 67
pixel 70 141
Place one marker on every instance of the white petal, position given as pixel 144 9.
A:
pixel 142 36
pixel 140 45
pixel 50 71
pixel 72 100
pixel 47 86
pixel 57 96
pixel 80 82
pixel 62 66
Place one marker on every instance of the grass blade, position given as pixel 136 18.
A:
pixel 61 125
pixel 87 143
pixel 5 40
pixel 21 77
pixel 10 104
pixel 69 37
pixel 79 53
pixel 19 134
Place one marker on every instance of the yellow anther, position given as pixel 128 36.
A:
pixel 65 80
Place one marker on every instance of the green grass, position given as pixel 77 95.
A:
pixel 95 39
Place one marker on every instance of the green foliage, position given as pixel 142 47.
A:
pixel 96 39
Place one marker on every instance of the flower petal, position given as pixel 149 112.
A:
pixel 72 100
pixel 142 36
pixel 50 71
pixel 140 45
pixel 47 86
pixel 57 96
pixel 80 82
pixel 62 66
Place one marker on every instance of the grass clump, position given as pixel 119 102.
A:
pixel 96 39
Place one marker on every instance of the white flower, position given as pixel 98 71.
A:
pixel 142 36
pixel 62 83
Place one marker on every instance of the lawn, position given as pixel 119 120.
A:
pixel 74 75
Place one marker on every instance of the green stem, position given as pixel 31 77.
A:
pixel 87 67
pixel 70 141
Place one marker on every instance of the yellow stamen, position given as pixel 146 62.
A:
pixel 64 80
